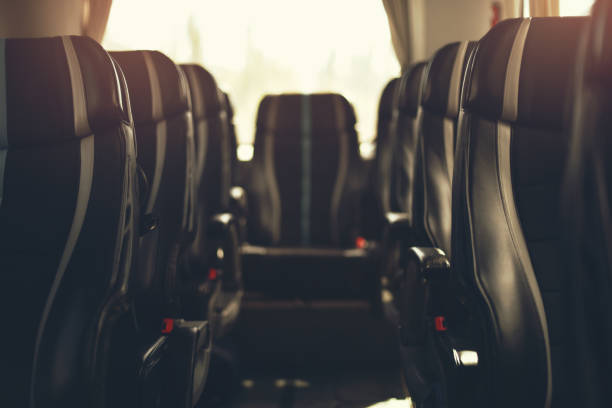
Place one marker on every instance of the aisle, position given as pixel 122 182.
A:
pixel 296 354
pixel 332 389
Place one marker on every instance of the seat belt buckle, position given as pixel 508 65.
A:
pixel 440 323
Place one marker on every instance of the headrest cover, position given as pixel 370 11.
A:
pixel 57 89
pixel 387 100
pixel 411 89
pixel 445 73
pixel 158 89
pixel 328 112
pixel 206 98
pixel 522 70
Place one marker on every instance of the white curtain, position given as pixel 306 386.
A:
pixel 407 27
pixel 543 8
pixel 511 8
pixel 95 17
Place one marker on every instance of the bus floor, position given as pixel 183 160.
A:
pixel 299 354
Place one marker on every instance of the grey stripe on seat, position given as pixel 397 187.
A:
pixel 202 147
pixel 202 123
pixel 270 168
pixel 454 92
pixel 87 151
pixel 343 162
pixel 161 131
pixel 306 170
pixel 3 117
pixel 513 71
pixel 448 134
pixel 81 122
pixel 452 107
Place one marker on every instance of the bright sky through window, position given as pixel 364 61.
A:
pixel 269 46
pixel 575 7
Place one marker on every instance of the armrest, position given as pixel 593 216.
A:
pixel 432 262
pixel 397 225
pixel 223 234
pixel 239 206
pixel 189 345
pixel 221 225
pixel 421 291
pixel 238 200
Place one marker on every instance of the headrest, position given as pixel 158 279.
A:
pixel 206 98
pixel 444 81
pixel 57 89
pixel 523 69
pixel 158 89
pixel 411 89
pixel 387 98
pixel 327 111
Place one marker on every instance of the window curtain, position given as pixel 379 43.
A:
pixel 511 8
pixel 407 27
pixel 95 17
pixel 543 8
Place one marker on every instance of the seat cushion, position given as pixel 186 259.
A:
pixel 311 273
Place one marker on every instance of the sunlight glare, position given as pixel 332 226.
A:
pixel 575 7
pixel 269 46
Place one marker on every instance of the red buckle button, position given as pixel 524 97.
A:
pixel 440 323
pixel 167 326
pixel 360 242
pixel 212 274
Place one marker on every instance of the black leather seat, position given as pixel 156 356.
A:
pixel 162 115
pixel 161 106
pixel 431 210
pixel 398 151
pixel 217 293
pixel 502 344
pixel 428 147
pixel 406 125
pixel 213 142
pixel 376 199
pixel 67 223
pixel 587 321
pixel 304 201
pixel 385 143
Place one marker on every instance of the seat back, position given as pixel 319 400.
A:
pixel 586 201
pixel 306 178
pixel 213 141
pixel 506 222
pixel 164 132
pixel 385 140
pixel 406 123
pixel 67 220
pixel 437 137
pixel 213 153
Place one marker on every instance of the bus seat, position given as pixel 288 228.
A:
pixel 68 222
pixel 305 194
pixel 587 322
pixel 502 301
pixel 213 166
pixel 161 107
